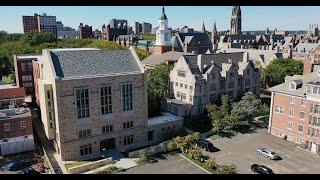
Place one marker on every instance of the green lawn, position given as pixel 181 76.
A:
pixel 149 37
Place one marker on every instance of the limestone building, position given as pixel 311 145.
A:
pixel 236 21
pixel 92 101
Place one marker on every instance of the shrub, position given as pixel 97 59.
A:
pixel 171 146
pixel 143 155
pixel 109 170
pixel 224 169
pixel 211 164
pixel 195 154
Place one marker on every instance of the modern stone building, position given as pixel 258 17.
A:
pixel 295 106
pixel 198 80
pixel 93 100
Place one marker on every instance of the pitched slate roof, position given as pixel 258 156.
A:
pixel 92 62
pixel 11 93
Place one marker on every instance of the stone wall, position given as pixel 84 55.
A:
pixel 89 166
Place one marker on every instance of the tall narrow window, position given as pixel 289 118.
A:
pixel 106 100
pixel 127 97
pixel 82 102
pixel 23 66
pixel 7 127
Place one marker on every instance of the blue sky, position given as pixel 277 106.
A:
pixel 253 17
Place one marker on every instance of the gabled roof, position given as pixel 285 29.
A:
pixel 70 63
pixel 13 92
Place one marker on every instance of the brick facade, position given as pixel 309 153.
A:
pixel 15 127
pixel 159 49
pixel 286 126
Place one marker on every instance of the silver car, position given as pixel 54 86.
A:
pixel 267 153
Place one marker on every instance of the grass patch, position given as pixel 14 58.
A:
pixel 109 170
pixel 149 37
pixel 76 163
pixel 200 164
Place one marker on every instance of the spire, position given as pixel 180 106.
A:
pixel 214 30
pixel 203 28
pixel 163 15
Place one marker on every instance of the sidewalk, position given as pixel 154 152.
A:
pixel 124 163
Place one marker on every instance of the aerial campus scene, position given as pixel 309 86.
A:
pixel 156 90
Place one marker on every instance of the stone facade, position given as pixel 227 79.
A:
pixel 198 80
pixel 57 97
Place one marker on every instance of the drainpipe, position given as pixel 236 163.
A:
pixel 270 115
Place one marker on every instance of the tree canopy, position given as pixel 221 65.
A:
pixel 278 69
pixel 34 42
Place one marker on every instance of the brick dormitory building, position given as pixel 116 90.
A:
pixel 295 106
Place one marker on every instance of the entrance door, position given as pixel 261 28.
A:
pixel 107 144
pixel 313 147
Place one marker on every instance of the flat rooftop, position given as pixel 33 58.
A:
pixel 7 86
pixel 6 114
pixel 165 118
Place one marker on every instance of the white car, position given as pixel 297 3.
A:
pixel 267 153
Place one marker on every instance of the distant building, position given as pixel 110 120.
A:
pixel 136 28
pixel 236 21
pixel 146 27
pixel 85 32
pixel 313 30
pixel 185 29
pixel 64 32
pixel 302 50
pixel 198 43
pixel 167 58
pixel 40 23
pixel 97 34
pixel 114 29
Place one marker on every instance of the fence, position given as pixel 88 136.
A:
pixel 48 161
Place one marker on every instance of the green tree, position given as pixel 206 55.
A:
pixel 278 69
pixel 226 104
pixel 248 106
pixel 224 169
pixel 5 66
pixel 34 38
pixel 158 87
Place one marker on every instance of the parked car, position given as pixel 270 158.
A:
pixel 261 169
pixel 206 145
pixel 18 164
pixel 28 171
pixel 267 153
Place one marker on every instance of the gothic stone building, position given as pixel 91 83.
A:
pixel 198 80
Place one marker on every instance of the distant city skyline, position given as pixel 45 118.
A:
pixel 253 17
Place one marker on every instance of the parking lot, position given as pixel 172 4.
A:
pixel 241 151
pixel 173 164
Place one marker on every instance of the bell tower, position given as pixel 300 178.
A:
pixel 163 35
